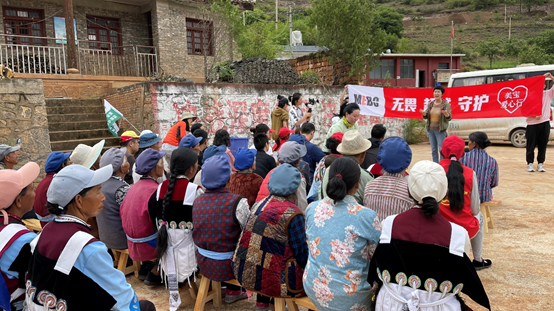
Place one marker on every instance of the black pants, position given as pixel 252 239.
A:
pixel 537 136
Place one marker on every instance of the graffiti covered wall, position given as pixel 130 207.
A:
pixel 237 108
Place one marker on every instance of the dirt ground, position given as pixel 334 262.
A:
pixel 520 246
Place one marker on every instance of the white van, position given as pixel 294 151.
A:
pixel 506 129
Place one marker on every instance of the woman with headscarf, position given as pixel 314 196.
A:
pixel 421 261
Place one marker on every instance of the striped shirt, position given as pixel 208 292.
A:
pixel 486 170
pixel 388 195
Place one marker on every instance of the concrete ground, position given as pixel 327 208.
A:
pixel 521 246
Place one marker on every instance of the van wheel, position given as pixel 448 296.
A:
pixel 518 138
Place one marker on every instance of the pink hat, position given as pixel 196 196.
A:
pixel 13 181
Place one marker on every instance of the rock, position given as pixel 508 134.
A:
pixel 264 71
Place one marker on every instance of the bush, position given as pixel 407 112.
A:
pixel 222 72
pixel 309 77
pixel 414 131
pixel 452 4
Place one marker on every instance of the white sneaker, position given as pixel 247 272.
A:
pixel 540 168
pixel 530 167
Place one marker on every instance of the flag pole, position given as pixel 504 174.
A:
pixel 451 44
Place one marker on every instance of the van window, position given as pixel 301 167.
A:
pixel 505 77
pixel 468 81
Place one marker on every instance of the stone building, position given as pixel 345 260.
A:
pixel 116 38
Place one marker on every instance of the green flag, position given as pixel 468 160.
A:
pixel 112 115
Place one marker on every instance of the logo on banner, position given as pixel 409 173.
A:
pixel 511 99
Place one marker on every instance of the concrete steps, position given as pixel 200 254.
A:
pixel 74 121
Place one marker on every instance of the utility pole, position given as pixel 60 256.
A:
pixel 510 29
pixel 505 12
pixel 290 27
pixel 70 35
pixel 276 14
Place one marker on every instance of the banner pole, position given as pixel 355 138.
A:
pixel 123 117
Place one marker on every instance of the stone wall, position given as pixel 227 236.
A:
pixel 237 107
pixel 170 36
pixel 135 103
pixel 320 65
pixel 133 23
pixel 23 116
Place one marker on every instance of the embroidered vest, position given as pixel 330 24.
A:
pixel 463 218
pixel 136 220
pixel 216 229
pixel 8 235
pixel 263 251
pixel 55 283
pixel 110 229
pixel 246 185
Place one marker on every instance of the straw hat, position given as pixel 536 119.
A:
pixel 353 143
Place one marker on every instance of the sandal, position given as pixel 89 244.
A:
pixel 480 265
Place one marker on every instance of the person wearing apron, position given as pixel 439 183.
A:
pixel 70 269
pixel 17 196
pixel 174 205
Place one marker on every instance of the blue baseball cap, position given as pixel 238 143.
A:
pixel 284 180
pixel 189 141
pixel 55 160
pixel 394 155
pixel 244 159
pixel 148 139
pixel 213 150
pixel 216 171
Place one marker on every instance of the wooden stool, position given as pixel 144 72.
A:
pixel 295 302
pixel 205 295
pixel 121 258
pixel 487 216
pixel 192 288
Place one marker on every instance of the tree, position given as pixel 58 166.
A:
pixel 544 41
pixel 348 31
pixel 490 48
pixel 481 4
pixel 390 21
pixel 532 54
pixel 256 40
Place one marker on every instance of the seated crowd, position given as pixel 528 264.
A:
pixel 285 221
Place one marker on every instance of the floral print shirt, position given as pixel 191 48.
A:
pixel 341 239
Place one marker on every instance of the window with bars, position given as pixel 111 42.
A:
pixel 199 37
pixel 24 22
pixel 406 68
pixel 103 33
pixel 385 70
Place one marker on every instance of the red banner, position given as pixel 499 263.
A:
pixel 517 98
